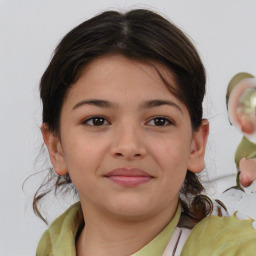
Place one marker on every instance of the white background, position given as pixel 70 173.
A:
pixel 224 31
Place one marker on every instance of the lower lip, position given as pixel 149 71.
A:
pixel 130 181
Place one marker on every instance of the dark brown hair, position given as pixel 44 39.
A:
pixel 141 35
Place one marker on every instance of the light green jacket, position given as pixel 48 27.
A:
pixel 213 236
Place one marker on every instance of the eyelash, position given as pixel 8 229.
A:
pixel 165 121
pixel 94 119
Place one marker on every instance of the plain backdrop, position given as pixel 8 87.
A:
pixel 224 32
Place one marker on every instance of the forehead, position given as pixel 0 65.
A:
pixel 118 77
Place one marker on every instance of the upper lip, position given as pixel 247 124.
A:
pixel 127 171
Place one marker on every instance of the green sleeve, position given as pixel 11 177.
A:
pixel 218 236
pixel 59 239
pixel 45 246
pixel 245 149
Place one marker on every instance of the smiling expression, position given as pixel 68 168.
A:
pixel 125 140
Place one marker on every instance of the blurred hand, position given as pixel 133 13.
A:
pixel 247 167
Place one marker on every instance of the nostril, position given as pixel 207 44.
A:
pixel 122 155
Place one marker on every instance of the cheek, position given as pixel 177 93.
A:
pixel 172 152
pixel 83 154
pixel 83 164
pixel 172 157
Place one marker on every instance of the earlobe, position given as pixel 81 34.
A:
pixel 196 160
pixel 55 150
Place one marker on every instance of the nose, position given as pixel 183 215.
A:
pixel 128 143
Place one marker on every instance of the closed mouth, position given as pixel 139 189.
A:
pixel 128 177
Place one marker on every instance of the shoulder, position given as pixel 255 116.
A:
pixel 60 236
pixel 222 236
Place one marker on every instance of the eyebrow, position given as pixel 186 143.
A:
pixel 95 102
pixel 158 103
pixel 144 105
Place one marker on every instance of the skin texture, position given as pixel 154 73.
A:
pixel 247 167
pixel 129 136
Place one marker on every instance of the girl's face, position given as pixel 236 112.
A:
pixel 125 140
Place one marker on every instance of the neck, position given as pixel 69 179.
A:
pixel 105 234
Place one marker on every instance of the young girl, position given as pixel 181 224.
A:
pixel 122 121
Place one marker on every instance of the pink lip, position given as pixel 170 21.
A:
pixel 128 177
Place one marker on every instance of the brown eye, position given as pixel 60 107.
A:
pixel 160 121
pixel 96 121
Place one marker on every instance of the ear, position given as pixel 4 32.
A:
pixel 196 159
pixel 234 97
pixel 55 150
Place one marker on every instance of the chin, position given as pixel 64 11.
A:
pixel 132 209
